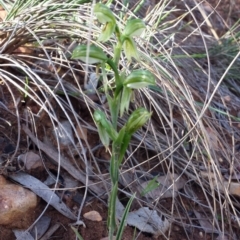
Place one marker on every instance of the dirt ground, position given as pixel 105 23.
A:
pixel 230 12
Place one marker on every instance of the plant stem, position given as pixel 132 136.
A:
pixel 117 77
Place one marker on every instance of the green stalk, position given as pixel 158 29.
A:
pixel 118 81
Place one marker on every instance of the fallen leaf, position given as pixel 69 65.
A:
pixel 44 192
pixel 51 231
pixel 232 188
pixel 22 235
pixel 212 138
pixel 92 83
pixel 82 132
pixel 40 227
pixel 64 133
pixel 168 186
pixel 31 160
pixel 144 219
pixel 93 216
pixel 149 221
pixel 204 222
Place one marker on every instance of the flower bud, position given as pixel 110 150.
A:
pixel 125 100
pixel 103 135
pixel 102 122
pixel 139 79
pixel 137 119
pixel 103 13
pixel 130 48
pixel 134 27
pixel 107 32
pixel 105 16
pixel 95 54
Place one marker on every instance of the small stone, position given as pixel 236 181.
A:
pixel 93 216
pixel 15 202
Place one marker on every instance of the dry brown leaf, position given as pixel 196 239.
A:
pixel 44 192
pixel 212 138
pixel 31 160
pixel 205 223
pixel 93 216
pixel 168 187
pixel 233 188
pixel 144 219
pixel 82 132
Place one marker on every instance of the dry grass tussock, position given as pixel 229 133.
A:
pixel 194 131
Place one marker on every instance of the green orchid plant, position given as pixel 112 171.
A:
pixel 119 99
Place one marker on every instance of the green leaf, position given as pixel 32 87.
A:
pixel 137 119
pixel 139 79
pixel 94 55
pixel 124 218
pixel 120 145
pixel 134 27
pixel 114 109
pixel 77 233
pixel 124 146
pixel 152 184
pixel 111 221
